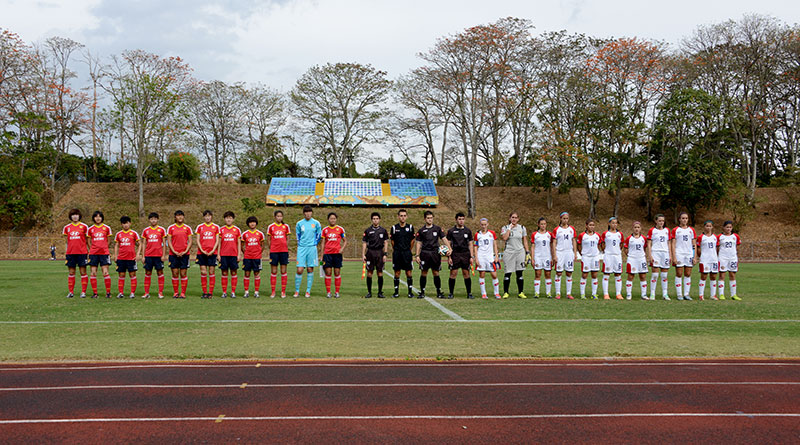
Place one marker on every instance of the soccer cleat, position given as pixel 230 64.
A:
pixel 595 297
pixel 183 296
pixel 470 297
pixel 283 294
pixel 701 298
pixel 735 298
pixel 583 297
pixel 484 296
pixel 628 297
pixel 160 296
pixel 296 294
pixel 570 297
pixel 308 294
pixel 132 296
pixel 714 297
pixel 94 295
pixel 680 297
pixel 449 296
pixel 721 297
pixel 272 295
pixel 70 295
pixel 439 294
pixel 421 295
pixel 247 294
pixel 619 297
pixel 233 295
pixel 666 297
pixel 119 295
pixel 175 296
pixel 380 295
pixel 108 295
pixel 146 296
pixel 522 295
pixel 606 297
pixel 369 295
pixel 256 295
pixel 644 297
pixel 224 295
pixel 498 296
pixel 687 298
pixel 336 295
pixel 558 296
pixel 328 295
pixel 395 295
pixel 410 293
pixel 505 295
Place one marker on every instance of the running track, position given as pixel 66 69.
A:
pixel 634 401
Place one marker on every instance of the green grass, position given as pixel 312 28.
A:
pixel 33 291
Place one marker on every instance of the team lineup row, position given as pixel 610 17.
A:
pixel 547 251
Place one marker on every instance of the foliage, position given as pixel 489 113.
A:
pixel 183 168
pixel 252 205
pixel 391 169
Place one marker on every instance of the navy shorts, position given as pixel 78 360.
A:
pixel 229 263
pixel 76 260
pixel 179 262
pixel 206 260
pixel 251 264
pixel 126 266
pixel 279 258
pixel 99 260
pixel 333 260
pixel 153 262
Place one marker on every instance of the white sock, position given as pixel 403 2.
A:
pixel 713 284
pixel 643 283
pixel 653 283
pixel 496 284
pixel 558 284
pixel 679 286
pixel 583 287
pixel 605 284
pixel 733 287
pixel 537 285
pixel 618 286
pixel 701 287
pixel 482 283
pixel 547 285
pixel 721 287
pixel 569 285
pixel 687 286
pixel 664 283
pixel 594 286
pixel 629 288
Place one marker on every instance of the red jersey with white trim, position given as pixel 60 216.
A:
pixel 727 246
pixel 253 241
pixel 207 237
pixel 76 234
pixel 613 242
pixel 179 235
pixel 154 240
pixel 229 240
pixel 126 240
pixel 485 242
pixel 100 236
pixel 564 237
pixel 636 246
pixel 659 239
pixel 589 244
pixel 684 239
pixel 332 236
pixel 708 248
pixel 278 237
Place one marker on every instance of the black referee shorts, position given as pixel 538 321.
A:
pixel 402 260
pixel 375 259
pixel 460 260
pixel 430 259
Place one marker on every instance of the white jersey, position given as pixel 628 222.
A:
pixel 563 237
pixel 684 240
pixel 589 244
pixel 659 239
pixel 727 246
pixel 613 242
pixel 485 242
pixel 708 248
pixel 541 244
pixel 636 246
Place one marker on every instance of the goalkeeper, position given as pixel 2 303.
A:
pixel 516 255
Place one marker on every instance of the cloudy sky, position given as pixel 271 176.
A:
pixel 274 42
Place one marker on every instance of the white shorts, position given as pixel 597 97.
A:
pixel 543 263
pixel 731 265
pixel 566 261
pixel 661 260
pixel 637 265
pixel 612 263
pixel 684 260
pixel 590 263
pixel 485 264
pixel 709 266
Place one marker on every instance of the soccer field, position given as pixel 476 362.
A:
pixel 37 322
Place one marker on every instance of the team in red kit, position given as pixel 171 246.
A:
pixel 613 251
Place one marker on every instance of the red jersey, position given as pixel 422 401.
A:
pixel 154 241
pixel 99 236
pixel 207 237
pixel 332 236
pixel 126 240
pixel 179 235
pixel 253 240
pixel 76 234
pixel 229 240
pixel 278 237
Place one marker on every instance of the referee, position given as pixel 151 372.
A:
pixel 462 255
pixel 402 236
pixel 428 256
pixel 374 244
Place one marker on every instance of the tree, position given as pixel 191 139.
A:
pixel 183 168
pixel 146 91
pixel 341 108
pixel 391 169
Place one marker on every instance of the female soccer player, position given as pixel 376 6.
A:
pixel 611 243
pixel 566 249
pixel 253 246
pixel 334 244
pixel 635 249
pixel 230 250
pixel 728 260
pixel 707 244
pixel 658 249
pixel 516 253
pixel 99 255
pixel 278 234
pixel 207 251
pixel 683 257
pixel 76 234
pixel 590 258
pixel 179 242
pixel 541 242
pixel 153 237
pixel 126 249
pixel 487 257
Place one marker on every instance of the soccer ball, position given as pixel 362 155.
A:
pixel 443 250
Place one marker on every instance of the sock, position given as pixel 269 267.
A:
pixel 437 282
pixel 583 287
pixel 107 282
pixel 380 284
pixel 184 284
pixel 161 285
pixel 224 284
pixel 547 284
pixel 71 283
pixel 594 286
pixel 629 288
pixel 134 282
pixel 396 285
pixel 176 284
pixel 247 284
pixel 643 284
pixel 309 282
pixel 211 280
pixel 257 283
pixel 733 287
pixel 327 283
pixel 506 282
pixel 618 285
pixel 482 284
pixel 569 285
pixel 679 286
pixel 369 284
pixel 451 283
pixel 605 284
pixel 468 285
pixel 423 280
pixel 721 287
pixel 284 280
pixel 664 283
pixel 93 282
pixel 297 280
pixel 121 285
pixel 537 285
pixel 496 284
pixel 234 279
pixel 653 283
pixel 713 284
pixel 273 281
pixel 204 283
pixel 338 282
pixel 84 282
pixel 687 286
pixel 520 282
pixel 558 284
pixel 410 282
pixel 147 280
pixel 701 287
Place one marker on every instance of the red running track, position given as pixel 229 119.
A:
pixel 735 401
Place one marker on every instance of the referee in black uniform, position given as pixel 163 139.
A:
pixel 461 255
pixel 428 256
pixel 402 236
pixel 374 244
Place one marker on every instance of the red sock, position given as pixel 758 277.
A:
pixel 246 283
pixel 176 284
pixel 225 284
pixel 204 283
pixel 160 284
pixel 107 282
pixel 134 282
pixel 273 280
pixel 147 279
pixel 121 284
pixel 84 282
pixel 93 282
pixel 284 278
pixel 338 281
pixel 71 283
pixel 212 279
pixel 258 282
pixel 234 278
pixel 184 284
pixel 328 283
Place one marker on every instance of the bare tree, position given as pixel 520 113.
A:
pixel 215 113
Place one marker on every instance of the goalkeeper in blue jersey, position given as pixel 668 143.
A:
pixel 309 233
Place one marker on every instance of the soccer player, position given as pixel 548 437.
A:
pixel 728 260
pixel 154 237
pixel 635 249
pixel 253 241
pixel 487 258
pixel 207 250
pixel 427 254
pixel 402 237
pixel 278 234
pixel 589 241
pixel 565 252
pixel 682 248
pixel 516 253
pixel 230 250
pixel 99 255
pixel 374 245
pixel 542 245
pixel 333 246
pixel 309 233
pixel 179 241
pixel 462 254
pixel 611 243
pixel 76 234
pixel 707 244
pixel 658 248
pixel 126 249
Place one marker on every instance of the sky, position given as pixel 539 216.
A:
pixel 275 42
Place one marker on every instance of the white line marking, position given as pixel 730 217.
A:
pixel 396 385
pixel 401 417
pixel 448 312
pixel 433 302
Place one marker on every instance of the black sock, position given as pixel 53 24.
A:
pixel 468 284
pixel 380 284
pixel 396 285
pixel 452 284
pixel 506 282
pixel 520 281
pixel 437 281
pixel 423 280
pixel 369 285
pixel 410 281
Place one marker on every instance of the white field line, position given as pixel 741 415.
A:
pixel 407 417
pixel 396 385
pixel 433 302
pixel 436 304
